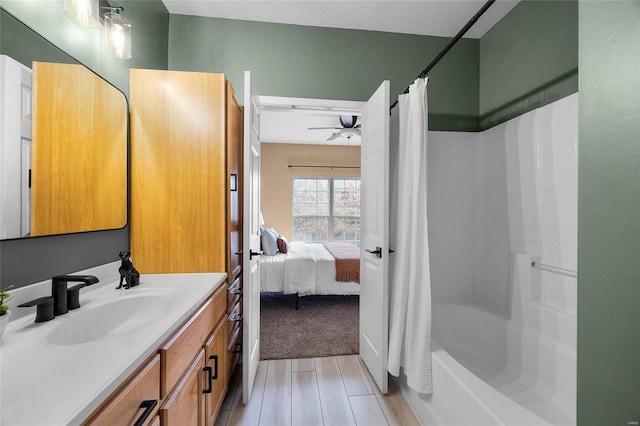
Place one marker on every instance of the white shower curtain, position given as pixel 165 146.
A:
pixel 410 280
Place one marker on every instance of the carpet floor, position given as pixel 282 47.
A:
pixel 322 326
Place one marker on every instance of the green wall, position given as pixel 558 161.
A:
pixel 24 45
pixel 312 62
pixel 150 29
pixel 25 261
pixel 609 214
pixel 528 59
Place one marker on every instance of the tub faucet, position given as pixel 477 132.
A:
pixel 68 298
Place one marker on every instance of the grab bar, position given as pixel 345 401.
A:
pixel 555 269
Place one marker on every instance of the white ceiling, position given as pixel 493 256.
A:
pixel 287 120
pixel 424 17
pixel 286 124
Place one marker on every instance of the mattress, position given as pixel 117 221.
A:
pixel 307 268
pixel 272 273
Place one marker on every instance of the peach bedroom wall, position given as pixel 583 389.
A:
pixel 276 178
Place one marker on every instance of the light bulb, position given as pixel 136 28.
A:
pixel 82 12
pixel 117 35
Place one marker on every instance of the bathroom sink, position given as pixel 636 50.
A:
pixel 112 316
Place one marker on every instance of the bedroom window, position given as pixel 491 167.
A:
pixel 326 209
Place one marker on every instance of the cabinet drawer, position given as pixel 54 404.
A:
pixel 177 353
pixel 185 405
pixel 219 304
pixel 235 315
pixel 234 346
pixel 234 293
pixel 234 318
pixel 126 407
pixel 235 337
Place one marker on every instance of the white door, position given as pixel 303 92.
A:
pixel 374 236
pixel 251 243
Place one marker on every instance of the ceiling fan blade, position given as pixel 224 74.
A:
pixel 323 128
pixel 336 135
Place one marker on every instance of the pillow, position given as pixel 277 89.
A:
pixel 269 241
pixel 283 244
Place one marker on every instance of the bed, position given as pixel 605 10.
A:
pixel 306 269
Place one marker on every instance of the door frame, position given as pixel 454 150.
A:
pixel 273 108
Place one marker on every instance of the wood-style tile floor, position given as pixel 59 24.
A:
pixel 314 391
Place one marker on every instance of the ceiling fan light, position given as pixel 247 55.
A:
pixel 348 121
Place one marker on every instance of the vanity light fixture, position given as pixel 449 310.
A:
pixel 82 12
pixel 117 33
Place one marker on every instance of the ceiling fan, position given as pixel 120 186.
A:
pixel 348 128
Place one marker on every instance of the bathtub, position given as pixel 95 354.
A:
pixel 491 371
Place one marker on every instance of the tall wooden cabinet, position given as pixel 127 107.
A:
pixel 186 182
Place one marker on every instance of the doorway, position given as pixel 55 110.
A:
pixel 310 193
pixel 374 226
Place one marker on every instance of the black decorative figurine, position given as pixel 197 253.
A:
pixel 128 273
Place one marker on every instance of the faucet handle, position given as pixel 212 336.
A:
pixel 73 296
pixel 44 308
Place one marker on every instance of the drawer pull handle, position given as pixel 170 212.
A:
pixel 148 405
pixel 208 369
pixel 235 318
pixel 215 366
pixel 236 291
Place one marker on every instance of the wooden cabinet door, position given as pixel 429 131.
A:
pixel 215 360
pixel 178 179
pixel 185 405
pixel 137 399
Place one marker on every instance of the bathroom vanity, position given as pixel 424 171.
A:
pixel 155 352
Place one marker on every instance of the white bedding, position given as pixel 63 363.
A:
pixel 308 268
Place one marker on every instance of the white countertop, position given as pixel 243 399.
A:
pixel 46 384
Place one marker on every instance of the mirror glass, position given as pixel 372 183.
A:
pixel 63 143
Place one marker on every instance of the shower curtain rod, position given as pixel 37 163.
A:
pixel 292 166
pixel 451 43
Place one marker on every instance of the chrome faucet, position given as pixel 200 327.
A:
pixel 68 298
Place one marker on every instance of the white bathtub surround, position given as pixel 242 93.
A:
pixel 453 219
pixel 542 174
pixel 53 377
pixel 499 200
pixel 410 276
